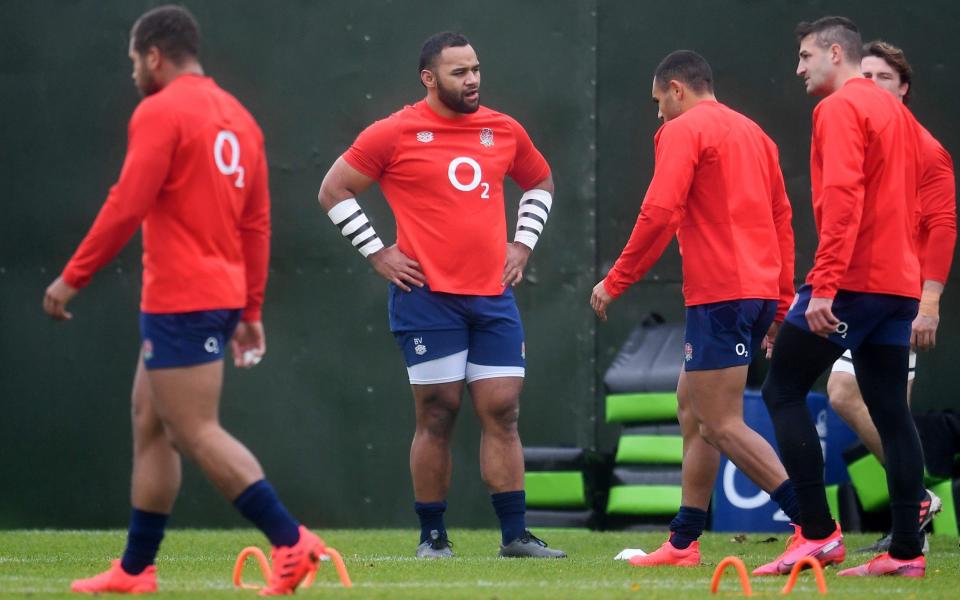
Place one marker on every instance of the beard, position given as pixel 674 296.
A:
pixel 455 101
pixel 146 85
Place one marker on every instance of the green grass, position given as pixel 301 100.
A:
pixel 198 564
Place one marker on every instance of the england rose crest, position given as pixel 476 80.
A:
pixel 486 137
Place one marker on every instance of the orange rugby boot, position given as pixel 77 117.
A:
pixel 670 556
pixel 292 564
pixel 116 580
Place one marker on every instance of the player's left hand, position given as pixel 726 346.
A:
pixel 55 299
pixel 923 335
pixel 515 263
pixel 248 344
pixel 770 337
pixel 600 300
pixel 820 317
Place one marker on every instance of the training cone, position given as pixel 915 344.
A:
pixel 814 565
pixel 741 573
pixel 328 552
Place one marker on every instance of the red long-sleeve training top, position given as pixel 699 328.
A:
pixel 938 210
pixel 195 176
pixel 864 168
pixel 716 184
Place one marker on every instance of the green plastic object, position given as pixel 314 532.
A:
pixel 643 500
pixel 945 523
pixel 833 500
pixel 870 480
pixel 650 449
pixel 639 408
pixel 555 489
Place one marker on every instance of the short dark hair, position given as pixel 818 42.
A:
pixel 894 57
pixel 686 66
pixel 834 30
pixel 172 29
pixel 436 43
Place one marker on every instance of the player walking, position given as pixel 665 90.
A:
pixel 861 295
pixel 195 176
pixel 441 164
pixel 717 185
pixel 887 66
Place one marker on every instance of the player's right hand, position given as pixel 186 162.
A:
pixel 55 299
pixel 820 317
pixel 600 300
pixel 397 268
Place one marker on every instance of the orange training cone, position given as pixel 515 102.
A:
pixel 795 572
pixel 256 552
pixel 741 572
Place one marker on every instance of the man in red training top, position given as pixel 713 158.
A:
pixel 887 66
pixel 861 295
pixel 195 176
pixel 717 185
pixel 441 164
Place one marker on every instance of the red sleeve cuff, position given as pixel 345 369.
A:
pixel 75 280
pixel 252 314
pixel 613 285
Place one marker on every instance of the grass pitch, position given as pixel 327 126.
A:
pixel 198 564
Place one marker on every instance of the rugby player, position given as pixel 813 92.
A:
pixel 441 164
pixel 717 185
pixel 195 177
pixel 861 295
pixel 886 65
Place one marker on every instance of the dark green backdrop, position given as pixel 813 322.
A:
pixel 329 412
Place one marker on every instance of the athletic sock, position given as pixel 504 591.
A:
pixel 687 526
pixel 259 504
pixel 143 540
pixel 786 499
pixel 511 508
pixel 431 518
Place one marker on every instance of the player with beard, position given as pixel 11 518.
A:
pixel 195 176
pixel 887 66
pixel 441 164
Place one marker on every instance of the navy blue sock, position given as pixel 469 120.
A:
pixel 687 526
pixel 143 540
pixel 511 509
pixel 259 504
pixel 786 499
pixel 431 518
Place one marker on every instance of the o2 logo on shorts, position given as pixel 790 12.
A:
pixel 147 349
pixel 741 350
pixel 233 167
pixel 474 182
pixel 842 329
pixel 212 345
pixel 688 352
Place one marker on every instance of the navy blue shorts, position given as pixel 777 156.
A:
pixel 450 337
pixel 725 334
pixel 864 317
pixel 186 339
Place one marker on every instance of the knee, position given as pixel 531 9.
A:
pixel 716 434
pixel 437 417
pixel 190 441
pixel 501 417
pixel 844 395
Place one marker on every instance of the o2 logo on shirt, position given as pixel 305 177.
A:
pixel 233 167
pixel 474 182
